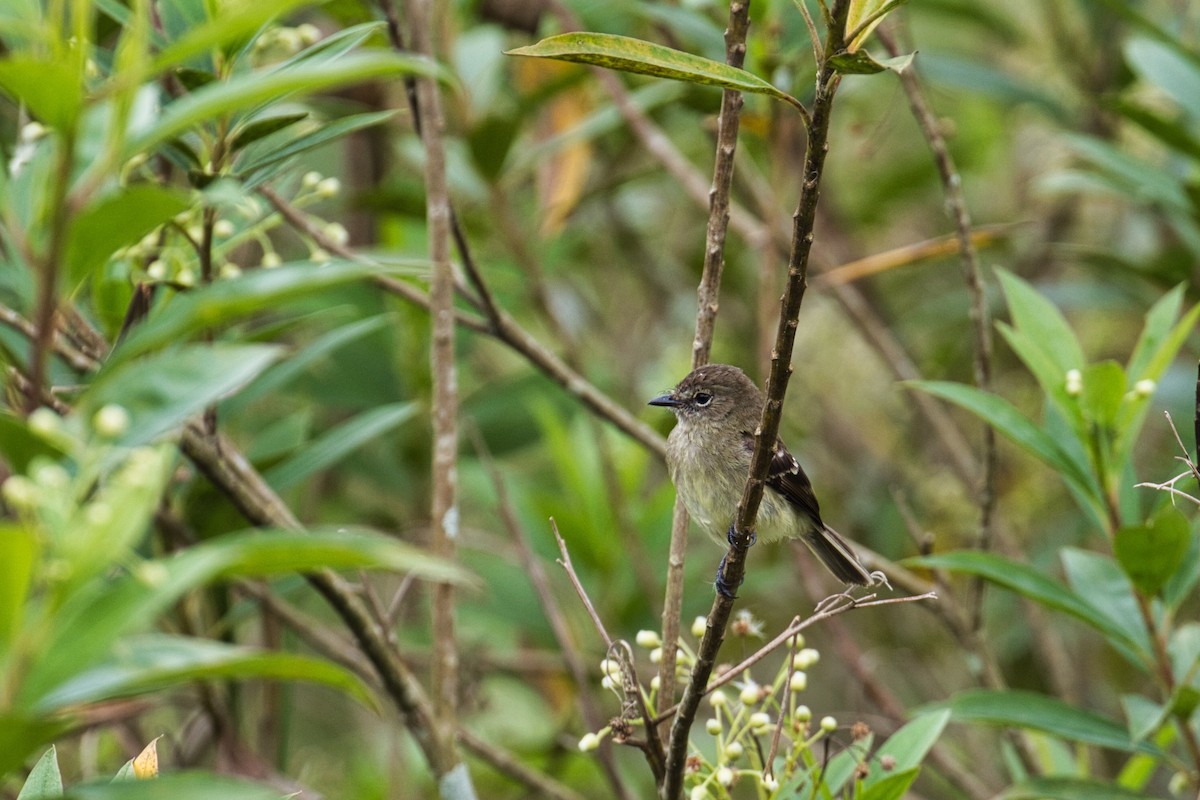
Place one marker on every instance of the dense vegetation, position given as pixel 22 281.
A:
pixel 319 321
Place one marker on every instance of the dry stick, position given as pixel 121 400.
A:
pixel 768 430
pixel 558 622
pixel 444 508
pixel 981 327
pixel 707 302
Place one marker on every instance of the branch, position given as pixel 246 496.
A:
pixel 768 430
pixel 707 302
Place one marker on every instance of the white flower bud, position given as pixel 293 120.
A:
pixel 45 422
pixel 828 724
pixel 750 694
pixel 328 187
pixel 51 476
pixel 656 655
pixel 655 683
pixel 311 179
pixel 805 658
pixel 223 229
pixel 698 793
pixel 337 233
pixel 648 639
pixel 270 260
pixel 318 256
pixel 718 699
pixel 20 492
pixel 308 33
pixel 799 681
pixel 185 277
pixel 713 726
pixel 759 720
pixel 802 713
pixel 607 684
pixel 152 573
pixel 770 783
pixel 734 750
pixel 611 667
pixel 99 513
pixel 1144 387
pixel 725 776
pixel 289 40
pixel 157 270
pixel 32 131
pixel 111 421
pixel 1074 382
pixel 589 742
pixel 229 270
pixel 699 626
pixel 1178 784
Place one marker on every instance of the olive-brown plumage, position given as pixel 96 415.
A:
pixel 708 455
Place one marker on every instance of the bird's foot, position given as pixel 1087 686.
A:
pixel 723 587
pixel 731 536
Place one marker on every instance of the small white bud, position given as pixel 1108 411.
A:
pixel 607 684
pixel 718 699
pixel 725 776
pixel 1144 387
pixel 45 422
pixel 828 724
pixel 1074 382
pixel 308 33
pixel 799 681
pixel 111 421
pixel 157 270
pixel 20 492
pixel 770 783
pixel 656 655
pixel 805 658
pixel 698 793
pixel 99 513
pixel 195 232
pixel 329 187
pixel 750 694
pixel 1178 784
pixel 734 750
pixel 611 667
pixel 759 720
pixel 229 270
pixel 185 277
pixel 270 260
pixel 802 714
pixel 648 639
pixel 713 726
pixel 51 476
pixel 589 742
pixel 311 179
pixel 32 131
pixel 223 229
pixel 318 256
pixel 655 683
pixel 699 626
pixel 337 233
pixel 152 573
pixel 289 40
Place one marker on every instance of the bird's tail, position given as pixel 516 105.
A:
pixel 836 554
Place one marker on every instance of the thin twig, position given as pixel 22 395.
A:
pixel 565 561
pixel 514 768
pixel 981 328
pixel 707 302
pixel 768 430
pixel 549 603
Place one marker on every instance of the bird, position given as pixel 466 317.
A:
pixel 718 407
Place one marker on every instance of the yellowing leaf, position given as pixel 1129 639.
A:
pixel 145 766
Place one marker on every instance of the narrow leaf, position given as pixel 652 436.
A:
pixel 52 90
pixel 1039 319
pixel 18 557
pixel 118 221
pixel 892 786
pixel 1151 553
pixel 45 780
pixel 1060 788
pixel 177 786
pixel 645 58
pixel 264 127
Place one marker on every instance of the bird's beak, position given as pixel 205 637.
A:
pixel 664 400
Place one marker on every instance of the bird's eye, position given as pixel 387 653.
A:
pixel 703 399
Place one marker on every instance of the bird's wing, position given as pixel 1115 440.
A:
pixel 786 476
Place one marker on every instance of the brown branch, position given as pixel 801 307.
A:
pixel 707 302
pixel 981 328
pixel 743 528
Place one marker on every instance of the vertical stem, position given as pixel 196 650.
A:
pixel 445 395
pixel 768 430
pixel 48 272
pixel 707 297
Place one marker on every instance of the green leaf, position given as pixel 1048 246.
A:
pixel 1007 420
pixel 1059 788
pixel 117 221
pixel 1038 712
pixel 1151 553
pixel 1184 650
pixel 19 445
pixel 44 780
pixel 909 745
pixel 226 300
pixel 259 128
pixel 1168 70
pixel 22 734
pixel 892 786
pixel 177 786
pixel 1181 584
pixel 52 90
pixel 235 22
pixel 645 58
pixel 252 88
pixel 1143 716
pixel 1098 579
pixel 1032 584
pixel 164 390
pixel 1044 325
pixel 268 153
pixel 1155 330
pixel 154 662
pixel 337 443
pixel 1103 390
pixel 861 63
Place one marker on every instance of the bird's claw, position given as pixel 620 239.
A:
pixel 722 586
pixel 731 536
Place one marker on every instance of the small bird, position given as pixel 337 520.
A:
pixel 708 455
